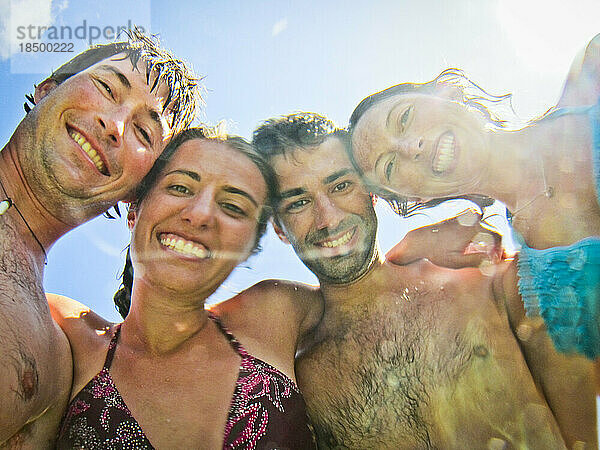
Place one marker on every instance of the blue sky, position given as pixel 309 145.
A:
pixel 266 58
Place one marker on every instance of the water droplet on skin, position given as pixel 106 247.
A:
pixel 468 218
pixel 482 241
pixel 4 205
pixel 497 444
pixel 524 332
pixel 441 288
pixel 487 268
pixel 392 379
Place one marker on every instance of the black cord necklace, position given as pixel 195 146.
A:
pixel 5 206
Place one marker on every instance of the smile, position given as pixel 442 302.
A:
pixel 183 246
pixel 344 239
pixel 90 151
pixel 445 153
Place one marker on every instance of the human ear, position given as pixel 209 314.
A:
pixel 280 232
pixel 43 89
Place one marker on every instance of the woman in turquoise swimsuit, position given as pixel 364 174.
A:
pixel 444 138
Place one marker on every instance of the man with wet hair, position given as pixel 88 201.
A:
pixel 94 129
pixel 414 355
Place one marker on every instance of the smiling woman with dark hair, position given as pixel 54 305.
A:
pixel 172 374
pixel 446 138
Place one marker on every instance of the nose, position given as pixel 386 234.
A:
pixel 328 215
pixel 412 147
pixel 200 211
pixel 112 125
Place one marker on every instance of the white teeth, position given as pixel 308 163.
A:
pixel 91 152
pixel 341 241
pixel 445 153
pixel 184 247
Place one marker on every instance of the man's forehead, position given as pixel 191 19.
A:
pixel 311 165
pixel 136 78
pixel 136 75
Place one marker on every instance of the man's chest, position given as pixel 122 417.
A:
pixel 382 379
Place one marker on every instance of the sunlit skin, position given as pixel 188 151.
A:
pixel 212 202
pixel 172 366
pixel 110 106
pixel 325 211
pixel 416 355
pixel 83 147
pixel 397 144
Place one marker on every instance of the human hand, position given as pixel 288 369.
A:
pixel 458 242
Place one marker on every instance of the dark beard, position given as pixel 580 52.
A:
pixel 344 269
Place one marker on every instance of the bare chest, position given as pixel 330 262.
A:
pixel 389 379
pixel 20 278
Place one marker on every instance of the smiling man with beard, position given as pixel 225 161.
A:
pixel 411 356
pixel 98 124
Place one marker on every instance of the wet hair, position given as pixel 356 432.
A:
pixel 286 134
pixel 159 65
pixel 304 130
pixel 122 297
pixel 497 110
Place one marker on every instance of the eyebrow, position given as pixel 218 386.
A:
pixel 292 193
pixel 234 190
pixel 193 175
pixel 334 176
pixel 329 179
pixel 153 113
pixel 120 76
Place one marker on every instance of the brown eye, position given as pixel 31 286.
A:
pixel 179 189
pixel 404 119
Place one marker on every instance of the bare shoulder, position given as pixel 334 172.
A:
pixel 74 316
pixel 86 330
pixel 582 86
pixel 274 301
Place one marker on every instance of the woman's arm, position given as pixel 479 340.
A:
pixel 458 242
pixel 582 86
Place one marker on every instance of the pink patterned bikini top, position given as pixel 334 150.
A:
pixel 266 411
